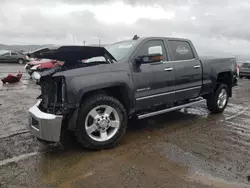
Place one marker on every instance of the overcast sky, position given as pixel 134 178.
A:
pixel 216 27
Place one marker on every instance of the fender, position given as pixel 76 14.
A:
pixel 96 78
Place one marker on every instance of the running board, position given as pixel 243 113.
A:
pixel 195 102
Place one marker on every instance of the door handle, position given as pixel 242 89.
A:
pixel 169 69
pixel 197 66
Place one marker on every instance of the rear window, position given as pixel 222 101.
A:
pixel 246 65
pixel 181 50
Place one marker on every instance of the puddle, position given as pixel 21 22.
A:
pixel 207 168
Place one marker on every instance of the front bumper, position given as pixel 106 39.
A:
pixel 44 126
pixel 235 81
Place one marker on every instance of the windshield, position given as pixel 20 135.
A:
pixel 3 52
pixel 246 65
pixel 120 50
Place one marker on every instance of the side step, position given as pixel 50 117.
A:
pixel 192 103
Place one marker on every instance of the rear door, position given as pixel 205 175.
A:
pixel 188 70
pixel 13 56
pixel 154 82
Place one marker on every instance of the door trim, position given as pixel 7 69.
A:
pixel 167 93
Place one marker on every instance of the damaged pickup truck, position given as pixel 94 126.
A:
pixel 98 89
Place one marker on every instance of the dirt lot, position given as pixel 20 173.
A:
pixel 179 149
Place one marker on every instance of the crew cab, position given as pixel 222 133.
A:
pixel 137 78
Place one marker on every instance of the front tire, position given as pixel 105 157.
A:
pixel 20 61
pixel 102 122
pixel 217 102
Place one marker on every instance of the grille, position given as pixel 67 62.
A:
pixel 47 90
pixel 51 95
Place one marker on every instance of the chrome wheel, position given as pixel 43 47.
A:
pixel 20 61
pixel 222 99
pixel 102 123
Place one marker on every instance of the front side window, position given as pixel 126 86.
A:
pixel 181 50
pixel 152 47
pixel 155 50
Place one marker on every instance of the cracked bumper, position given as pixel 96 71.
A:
pixel 43 125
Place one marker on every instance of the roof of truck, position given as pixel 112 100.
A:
pixel 155 37
pixel 169 38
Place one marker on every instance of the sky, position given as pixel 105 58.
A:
pixel 216 27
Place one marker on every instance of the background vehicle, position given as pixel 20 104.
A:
pixel 244 70
pixel 40 65
pixel 136 78
pixel 11 56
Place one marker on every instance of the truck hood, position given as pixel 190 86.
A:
pixel 71 55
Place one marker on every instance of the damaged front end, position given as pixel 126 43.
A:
pixel 50 113
pixel 46 116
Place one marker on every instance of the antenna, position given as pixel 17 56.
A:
pixel 135 37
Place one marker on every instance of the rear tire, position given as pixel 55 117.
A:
pixel 102 122
pixel 217 102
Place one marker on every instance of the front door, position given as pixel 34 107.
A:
pixel 188 70
pixel 154 82
pixel 13 56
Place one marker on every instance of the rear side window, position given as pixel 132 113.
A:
pixel 181 50
pixel 14 53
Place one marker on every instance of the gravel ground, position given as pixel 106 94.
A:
pixel 178 149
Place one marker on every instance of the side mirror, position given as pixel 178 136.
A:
pixel 151 58
pixel 138 61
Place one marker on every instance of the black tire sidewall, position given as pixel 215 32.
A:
pixel 81 133
pixel 215 107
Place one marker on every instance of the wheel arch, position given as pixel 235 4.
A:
pixel 120 91
pixel 225 78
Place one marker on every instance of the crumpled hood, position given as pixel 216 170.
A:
pixel 71 55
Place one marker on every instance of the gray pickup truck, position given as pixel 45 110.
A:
pixel 98 89
pixel 244 70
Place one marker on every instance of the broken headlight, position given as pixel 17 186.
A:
pixel 36 76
